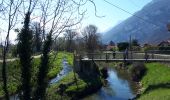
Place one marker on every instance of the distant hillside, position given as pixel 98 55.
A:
pixel 157 12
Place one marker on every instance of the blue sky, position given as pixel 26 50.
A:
pixel 113 16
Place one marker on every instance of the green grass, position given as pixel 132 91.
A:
pixel 72 90
pixel 56 66
pixel 156 74
pixel 158 94
pixel 13 72
pixel 69 57
pixel 156 82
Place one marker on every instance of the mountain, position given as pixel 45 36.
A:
pixel 148 25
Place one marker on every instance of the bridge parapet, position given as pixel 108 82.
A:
pixel 153 56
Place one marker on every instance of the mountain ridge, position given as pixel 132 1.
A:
pixel 149 28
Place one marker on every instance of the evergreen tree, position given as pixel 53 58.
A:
pixel 25 52
pixel 43 70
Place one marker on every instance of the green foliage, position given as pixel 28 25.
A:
pixel 156 82
pixel 13 77
pixel 72 90
pixel 14 72
pixel 42 82
pixel 147 48
pixel 123 46
pixel 25 53
pixel 14 51
pixel 69 57
pixel 56 66
pixel 137 71
pixel 135 42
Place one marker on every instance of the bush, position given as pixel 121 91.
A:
pixel 104 72
pixel 123 46
pixel 137 71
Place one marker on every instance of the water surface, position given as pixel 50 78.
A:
pixel 118 88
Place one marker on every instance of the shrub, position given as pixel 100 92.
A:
pixel 122 46
pixel 104 72
pixel 137 71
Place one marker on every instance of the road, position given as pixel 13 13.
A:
pixel 13 59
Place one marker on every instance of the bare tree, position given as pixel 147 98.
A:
pixel 91 38
pixel 37 32
pixel 70 36
pixel 9 15
pixel 56 17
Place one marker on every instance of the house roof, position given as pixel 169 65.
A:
pixel 164 42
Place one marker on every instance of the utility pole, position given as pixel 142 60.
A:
pixel 130 46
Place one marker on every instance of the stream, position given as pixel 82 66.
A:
pixel 117 88
pixel 66 69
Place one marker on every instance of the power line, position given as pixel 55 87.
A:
pixel 131 13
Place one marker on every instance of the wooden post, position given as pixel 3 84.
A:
pixel 146 56
pixel 114 54
pixel 74 68
pixel 106 56
pixel 152 55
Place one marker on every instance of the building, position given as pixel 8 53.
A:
pixel 164 43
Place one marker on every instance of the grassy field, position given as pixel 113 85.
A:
pixel 13 72
pixel 156 82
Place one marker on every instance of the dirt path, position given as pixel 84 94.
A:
pixel 13 59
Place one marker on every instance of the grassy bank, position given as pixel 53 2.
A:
pixel 156 82
pixel 69 57
pixel 73 90
pixel 13 72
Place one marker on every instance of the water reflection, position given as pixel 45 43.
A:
pixel 118 88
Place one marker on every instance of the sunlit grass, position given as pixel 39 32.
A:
pixel 73 89
pixel 156 82
pixel 157 94
pixel 156 74
pixel 13 72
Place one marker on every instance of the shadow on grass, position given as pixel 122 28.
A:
pixel 153 87
pixel 91 78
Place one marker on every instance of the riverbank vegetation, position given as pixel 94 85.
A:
pixel 71 88
pixel 156 82
pixel 154 79
pixel 14 72
pixel 74 85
